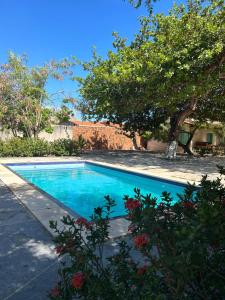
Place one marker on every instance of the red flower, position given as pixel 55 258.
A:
pixel 141 240
pixel 83 222
pixel 59 249
pixel 55 292
pixel 188 205
pixel 78 280
pixel 141 270
pixel 132 204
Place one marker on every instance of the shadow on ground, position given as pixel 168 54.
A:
pixel 148 161
pixel 28 264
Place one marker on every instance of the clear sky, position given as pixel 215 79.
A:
pixel 47 29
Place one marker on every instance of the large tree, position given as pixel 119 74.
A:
pixel 25 106
pixel 176 63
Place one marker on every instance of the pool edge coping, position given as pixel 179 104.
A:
pixel 39 214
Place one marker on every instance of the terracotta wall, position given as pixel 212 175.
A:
pixel 104 137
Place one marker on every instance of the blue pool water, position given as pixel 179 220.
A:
pixel 82 186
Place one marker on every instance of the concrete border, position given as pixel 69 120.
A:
pixel 44 207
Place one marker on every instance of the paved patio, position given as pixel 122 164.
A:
pixel 182 169
pixel 28 264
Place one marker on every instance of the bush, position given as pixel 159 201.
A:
pixel 38 147
pixel 64 147
pixel 182 246
pixel 81 143
pixel 23 147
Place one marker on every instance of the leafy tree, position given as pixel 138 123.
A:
pixel 24 101
pixel 148 4
pixel 175 63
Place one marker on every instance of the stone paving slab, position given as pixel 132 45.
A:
pixel 28 263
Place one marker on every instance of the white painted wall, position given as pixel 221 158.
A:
pixel 59 132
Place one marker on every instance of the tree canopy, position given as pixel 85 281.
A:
pixel 175 64
pixel 25 106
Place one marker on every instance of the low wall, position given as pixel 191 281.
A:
pixel 59 132
pixel 157 146
pixel 105 137
pixel 5 135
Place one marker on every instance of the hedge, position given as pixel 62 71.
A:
pixel 23 147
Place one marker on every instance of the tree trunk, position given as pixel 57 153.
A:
pixel 35 134
pixel 176 121
pixel 171 150
pixel 14 132
pixel 186 147
pixel 134 141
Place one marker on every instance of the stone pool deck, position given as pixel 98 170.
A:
pixel 28 264
pixel 183 169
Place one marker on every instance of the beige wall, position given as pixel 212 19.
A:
pixel 5 135
pixel 200 136
pixel 59 132
pixel 156 146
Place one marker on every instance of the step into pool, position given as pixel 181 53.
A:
pixel 81 186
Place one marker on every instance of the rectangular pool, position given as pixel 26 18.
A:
pixel 81 186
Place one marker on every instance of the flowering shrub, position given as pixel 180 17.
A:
pixel 181 247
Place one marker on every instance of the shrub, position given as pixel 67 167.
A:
pixel 64 147
pixel 182 247
pixel 24 147
pixel 38 147
pixel 81 143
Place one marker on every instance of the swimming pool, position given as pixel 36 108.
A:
pixel 81 186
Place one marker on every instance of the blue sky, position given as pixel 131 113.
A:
pixel 47 29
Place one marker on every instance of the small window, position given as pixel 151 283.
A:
pixel 209 138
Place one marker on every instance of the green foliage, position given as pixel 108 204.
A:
pixel 148 4
pixel 24 99
pixel 64 147
pixel 25 147
pixel 182 247
pixel 175 65
pixel 63 115
pixel 81 143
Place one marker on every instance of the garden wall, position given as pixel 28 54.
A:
pixel 59 132
pixel 102 137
